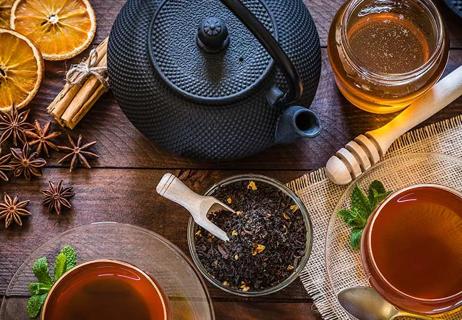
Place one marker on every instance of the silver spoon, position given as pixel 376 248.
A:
pixel 365 303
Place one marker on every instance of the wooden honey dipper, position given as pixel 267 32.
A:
pixel 367 149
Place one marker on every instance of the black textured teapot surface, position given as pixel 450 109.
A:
pixel 216 79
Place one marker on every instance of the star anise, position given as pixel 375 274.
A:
pixel 11 209
pixel 41 139
pixel 5 166
pixel 13 126
pixel 26 163
pixel 57 197
pixel 78 153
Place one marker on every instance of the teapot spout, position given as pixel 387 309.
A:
pixel 297 122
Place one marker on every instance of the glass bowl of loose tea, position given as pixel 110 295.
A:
pixel 270 237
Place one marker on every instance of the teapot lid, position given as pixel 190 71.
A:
pixel 203 52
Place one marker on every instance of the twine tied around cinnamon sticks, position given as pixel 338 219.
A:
pixel 86 82
pixel 78 73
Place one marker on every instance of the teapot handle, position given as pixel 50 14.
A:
pixel 295 85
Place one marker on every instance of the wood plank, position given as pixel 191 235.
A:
pixel 121 145
pixel 125 196
pixel 265 311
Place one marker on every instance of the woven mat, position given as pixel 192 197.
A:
pixel 321 196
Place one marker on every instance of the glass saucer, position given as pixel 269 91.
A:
pixel 343 264
pixel 145 249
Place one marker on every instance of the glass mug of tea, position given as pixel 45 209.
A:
pixel 411 249
pixel 106 289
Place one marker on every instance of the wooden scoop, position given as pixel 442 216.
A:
pixel 199 206
pixel 367 149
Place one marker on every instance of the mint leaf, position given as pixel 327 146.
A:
pixel 377 186
pixel 355 237
pixel 382 196
pixel 60 265
pixel 373 197
pixel 71 257
pixel 353 217
pixel 361 208
pixel 377 193
pixel 34 304
pixel 40 270
pixel 37 288
pixel 345 214
pixel 360 202
pixel 65 260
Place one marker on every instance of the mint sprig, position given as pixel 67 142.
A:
pixel 362 207
pixel 65 261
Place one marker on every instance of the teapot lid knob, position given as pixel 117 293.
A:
pixel 202 51
pixel 212 35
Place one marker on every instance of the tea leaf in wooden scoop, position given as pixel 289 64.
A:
pixel 65 261
pixel 362 207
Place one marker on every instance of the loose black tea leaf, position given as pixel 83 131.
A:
pixel 267 237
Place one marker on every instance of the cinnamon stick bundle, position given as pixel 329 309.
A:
pixel 82 89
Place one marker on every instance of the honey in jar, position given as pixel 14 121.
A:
pixel 385 54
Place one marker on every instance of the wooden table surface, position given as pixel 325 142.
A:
pixel 121 185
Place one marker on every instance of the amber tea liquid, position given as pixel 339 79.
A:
pixel 416 241
pixel 377 53
pixel 106 290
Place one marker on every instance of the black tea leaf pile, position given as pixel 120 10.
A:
pixel 267 237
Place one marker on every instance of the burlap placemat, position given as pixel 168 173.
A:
pixel 321 196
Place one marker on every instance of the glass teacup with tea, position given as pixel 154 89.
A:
pixel 411 249
pixel 106 289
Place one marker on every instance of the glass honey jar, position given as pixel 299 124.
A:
pixel 386 53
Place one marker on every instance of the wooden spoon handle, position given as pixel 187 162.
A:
pixel 175 190
pixel 443 93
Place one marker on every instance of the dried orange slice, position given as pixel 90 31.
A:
pixel 61 29
pixel 5 10
pixel 21 70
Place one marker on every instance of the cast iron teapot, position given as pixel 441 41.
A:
pixel 216 79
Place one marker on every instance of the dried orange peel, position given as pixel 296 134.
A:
pixel 5 11
pixel 61 29
pixel 21 70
